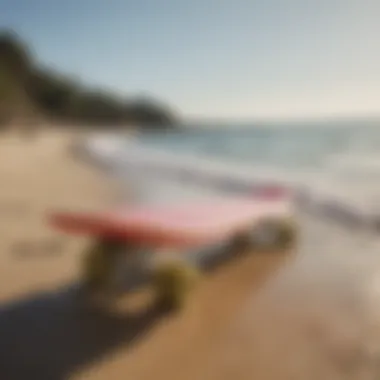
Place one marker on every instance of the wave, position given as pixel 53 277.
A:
pixel 325 190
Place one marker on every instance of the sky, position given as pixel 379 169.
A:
pixel 233 59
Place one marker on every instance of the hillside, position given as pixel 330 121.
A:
pixel 31 92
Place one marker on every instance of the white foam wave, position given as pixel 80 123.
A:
pixel 335 189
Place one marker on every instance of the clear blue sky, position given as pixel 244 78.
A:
pixel 216 58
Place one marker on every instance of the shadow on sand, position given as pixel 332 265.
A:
pixel 51 335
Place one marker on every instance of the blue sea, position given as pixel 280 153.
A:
pixel 281 146
pixel 343 157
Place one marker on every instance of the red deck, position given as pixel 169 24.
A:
pixel 168 225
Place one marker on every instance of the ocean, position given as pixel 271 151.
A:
pixel 336 164
pixel 341 159
pixel 282 147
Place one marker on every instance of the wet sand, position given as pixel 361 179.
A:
pixel 309 314
pixel 318 318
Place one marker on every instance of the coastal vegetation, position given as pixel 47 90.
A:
pixel 34 93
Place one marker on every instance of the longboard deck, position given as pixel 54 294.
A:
pixel 181 225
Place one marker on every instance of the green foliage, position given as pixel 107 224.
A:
pixel 64 98
pixel 14 55
pixel 5 84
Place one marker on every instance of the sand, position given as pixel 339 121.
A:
pixel 35 176
pixel 44 333
pixel 308 314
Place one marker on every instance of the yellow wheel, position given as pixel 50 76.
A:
pixel 172 282
pixel 277 233
pixel 97 268
pixel 286 233
pixel 242 242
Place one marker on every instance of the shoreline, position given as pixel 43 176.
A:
pixel 117 157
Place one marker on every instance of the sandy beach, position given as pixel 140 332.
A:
pixel 35 176
pixel 265 315
pixel 43 332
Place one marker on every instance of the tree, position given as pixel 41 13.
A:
pixel 25 85
pixel 15 56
